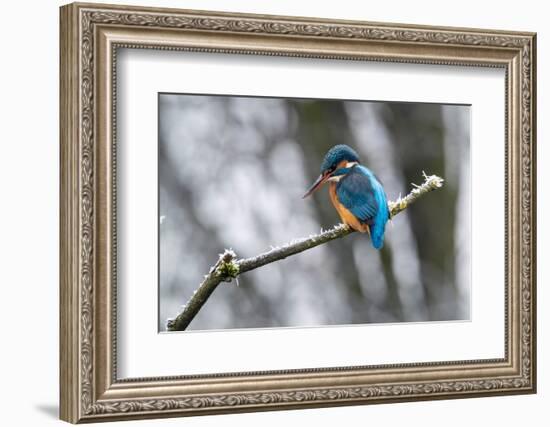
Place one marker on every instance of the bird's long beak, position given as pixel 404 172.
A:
pixel 317 184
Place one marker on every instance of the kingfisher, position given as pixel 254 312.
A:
pixel 355 192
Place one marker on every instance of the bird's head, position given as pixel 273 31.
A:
pixel 337 162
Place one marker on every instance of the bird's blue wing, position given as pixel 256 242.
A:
pixel 356 192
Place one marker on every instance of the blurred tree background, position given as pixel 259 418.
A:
pixel 232 171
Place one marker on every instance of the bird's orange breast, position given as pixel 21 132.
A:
pixel 346 215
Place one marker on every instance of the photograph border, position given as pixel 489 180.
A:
pixel 89 39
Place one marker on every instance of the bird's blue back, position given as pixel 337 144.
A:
pixel 363 195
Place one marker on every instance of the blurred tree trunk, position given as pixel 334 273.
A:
pixel 421 137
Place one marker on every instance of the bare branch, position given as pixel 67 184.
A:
pixel 228 267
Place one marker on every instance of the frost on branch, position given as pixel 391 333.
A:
pixel 431 182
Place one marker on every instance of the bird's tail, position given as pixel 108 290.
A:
pixel 377 235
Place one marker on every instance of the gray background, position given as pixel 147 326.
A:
pixel 232 171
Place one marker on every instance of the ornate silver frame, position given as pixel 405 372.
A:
pixel 90 36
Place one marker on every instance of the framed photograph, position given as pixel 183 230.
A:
pixel 266 212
